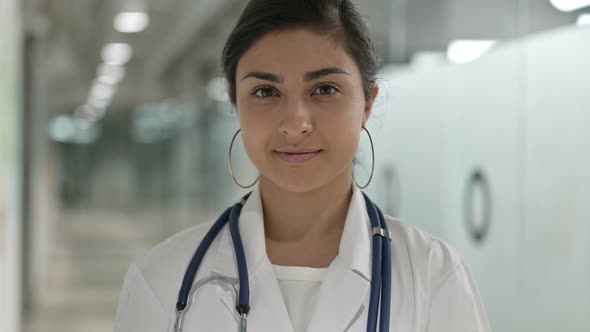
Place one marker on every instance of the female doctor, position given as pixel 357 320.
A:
pixel 301 75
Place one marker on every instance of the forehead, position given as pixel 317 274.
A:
pixel 294 51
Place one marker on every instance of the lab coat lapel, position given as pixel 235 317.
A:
pixel 268 311
pixel 345 289
pixel 344 292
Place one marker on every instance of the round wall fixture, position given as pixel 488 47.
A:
pixel 477 206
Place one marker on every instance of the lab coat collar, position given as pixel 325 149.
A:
pixel 343 290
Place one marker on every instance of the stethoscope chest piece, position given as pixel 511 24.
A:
pixel 179 321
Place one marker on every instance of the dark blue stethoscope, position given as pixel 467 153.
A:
pixel 381 267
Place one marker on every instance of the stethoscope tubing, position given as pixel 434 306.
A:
pixel 381 272
pixel 386 277
pixel 380 292
pixel 193 266
pixel 244 297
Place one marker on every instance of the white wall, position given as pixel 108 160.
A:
pixel 520 114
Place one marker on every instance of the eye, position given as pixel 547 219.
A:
pixel 264 92
pixel 326 89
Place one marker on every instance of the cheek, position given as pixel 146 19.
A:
pixel 343 134
pixel 350 143
pixel 256 135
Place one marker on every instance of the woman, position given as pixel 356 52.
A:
pixel 301 74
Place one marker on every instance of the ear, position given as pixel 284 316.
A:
pixel 369 104
pixel 228 90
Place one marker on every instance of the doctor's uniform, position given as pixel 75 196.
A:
pixel 433 289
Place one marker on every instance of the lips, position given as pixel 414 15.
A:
pixel 297 157
pixel 296 150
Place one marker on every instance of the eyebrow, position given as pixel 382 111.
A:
pixel 264 77
pixel 312 75
pixel 324 72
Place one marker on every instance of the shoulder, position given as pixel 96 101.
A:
pixel 148 297
pixel 162 267
pixel 445 294
pixel 425 254
pixel 174 248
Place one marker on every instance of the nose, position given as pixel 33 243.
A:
pixel 296 120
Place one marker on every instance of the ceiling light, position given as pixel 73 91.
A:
pixel 99 103
pixel 110 74
pixel 583 19
pixel 101 91
pixel 569 5
pixel 463 51
pixel 130 22
pixel 116 53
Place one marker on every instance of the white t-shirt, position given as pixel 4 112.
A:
pixel 300 286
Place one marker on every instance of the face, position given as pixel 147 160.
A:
pixel 299 90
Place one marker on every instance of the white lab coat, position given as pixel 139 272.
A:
pixel 433 289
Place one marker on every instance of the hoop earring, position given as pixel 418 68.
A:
pixel 372 163
pixel 231 170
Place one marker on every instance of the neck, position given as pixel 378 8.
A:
pixel 299 217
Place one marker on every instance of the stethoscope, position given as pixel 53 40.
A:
pixel 381 267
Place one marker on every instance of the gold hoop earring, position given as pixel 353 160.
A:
pixel 231 170
pixel 372 163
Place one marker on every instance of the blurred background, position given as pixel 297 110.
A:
pixel 114 134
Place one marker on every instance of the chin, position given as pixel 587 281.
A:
pixel 300 184
pixel 295 184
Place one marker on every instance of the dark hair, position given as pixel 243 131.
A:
pixel 338 18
